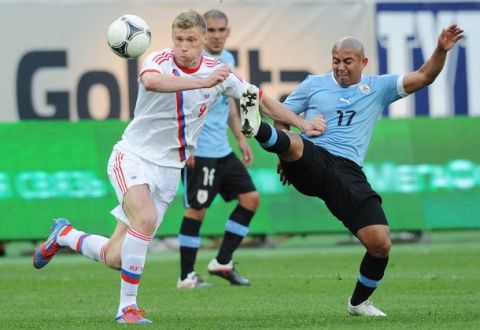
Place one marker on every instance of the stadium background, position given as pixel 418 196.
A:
pixel 66 98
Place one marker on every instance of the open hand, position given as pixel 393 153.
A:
pixel 449 37
pixel 247 155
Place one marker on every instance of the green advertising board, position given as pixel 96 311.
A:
pixel 426 170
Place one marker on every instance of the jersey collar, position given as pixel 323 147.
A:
pixel 189 70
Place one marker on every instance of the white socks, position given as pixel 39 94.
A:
pixel 133 252
pixel 91 246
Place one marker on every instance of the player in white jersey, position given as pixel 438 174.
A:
pixel 329 166
pixel 215 169
pixel 176 87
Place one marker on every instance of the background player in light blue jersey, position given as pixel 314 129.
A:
pixel 215 169
pixel 329 166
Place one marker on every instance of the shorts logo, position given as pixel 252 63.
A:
pixel 202 196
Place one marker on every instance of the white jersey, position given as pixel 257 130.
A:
pixel 165 126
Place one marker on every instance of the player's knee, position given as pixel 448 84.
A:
pixel 146 222
pixel 255 199
pixel 380 247
pixel 250 200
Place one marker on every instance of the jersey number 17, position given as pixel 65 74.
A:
pixel 348 115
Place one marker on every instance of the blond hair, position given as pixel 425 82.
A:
pixel 188 20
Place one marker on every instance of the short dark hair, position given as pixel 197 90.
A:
pixel 215 14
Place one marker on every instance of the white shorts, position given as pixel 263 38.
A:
pixel 126 169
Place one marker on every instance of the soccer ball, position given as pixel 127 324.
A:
pixel 129 36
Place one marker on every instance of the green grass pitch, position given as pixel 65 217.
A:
pixel 303 283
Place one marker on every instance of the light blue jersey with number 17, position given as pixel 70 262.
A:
pixel 350 112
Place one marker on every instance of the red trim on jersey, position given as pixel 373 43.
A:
pixel 209 58
pixel 163 54
pixel 211 62
pixel 181 122
pixel 181 126
pixel 148 70
pixel 188 70
pixel 239 77
pixel 159 59
pixel 260 94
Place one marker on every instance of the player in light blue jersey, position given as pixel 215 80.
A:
pixel 350 112
pixel 329 166
pixel 215 169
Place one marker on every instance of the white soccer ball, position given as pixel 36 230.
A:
pixel 129 36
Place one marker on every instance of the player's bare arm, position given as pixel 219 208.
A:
pixel 163 83
pixel 427 73
pixel 278 112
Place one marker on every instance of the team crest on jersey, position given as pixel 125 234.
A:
pixel 202 196
pixel 365 89
pixel 202 110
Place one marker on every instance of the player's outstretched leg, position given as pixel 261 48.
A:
pixel 272 139
pixel 132 315
pixel 46 251
pixel 63 234
pixel 249 111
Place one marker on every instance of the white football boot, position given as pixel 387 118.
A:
pixel 366 308
pixel 192 281
pixel 249 111
pixel 228 272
